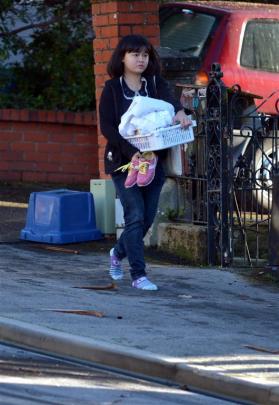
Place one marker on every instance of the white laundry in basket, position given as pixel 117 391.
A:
pixel 145 115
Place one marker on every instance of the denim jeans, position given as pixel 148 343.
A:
pixel 140 207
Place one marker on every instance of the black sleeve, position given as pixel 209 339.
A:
pixel 164 93
pixel 109 125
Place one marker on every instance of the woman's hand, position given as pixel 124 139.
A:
pixel 182 118
pixel 137 155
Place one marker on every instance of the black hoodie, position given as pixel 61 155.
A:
pixel 118 150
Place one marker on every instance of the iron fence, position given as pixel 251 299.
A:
pixel 227 181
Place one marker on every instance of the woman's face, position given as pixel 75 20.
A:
pixel 135 62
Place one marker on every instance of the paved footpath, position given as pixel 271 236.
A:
pixel 210 329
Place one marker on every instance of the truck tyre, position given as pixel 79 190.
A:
pixel 265 163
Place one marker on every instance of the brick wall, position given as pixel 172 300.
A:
pixel 57 147
pixel 111 21
pixel 48 146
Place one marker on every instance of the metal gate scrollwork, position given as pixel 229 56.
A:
pixel 217 169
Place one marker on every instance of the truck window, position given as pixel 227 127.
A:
pixel 186 31
pixel 260 48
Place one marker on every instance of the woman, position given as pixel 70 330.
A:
pixel 134 69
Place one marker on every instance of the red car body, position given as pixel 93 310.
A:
pixel 224 45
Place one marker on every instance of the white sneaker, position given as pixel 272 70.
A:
pixel 143 283
pixel 115 270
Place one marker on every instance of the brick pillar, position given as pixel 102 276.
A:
pixel 111 21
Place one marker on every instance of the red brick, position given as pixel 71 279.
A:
pixel 146 6
pixel 103 176
pixel 109 32
pixel 3 146
pixel 10 136
pixel 23 115
pixel 20 127
pixel 72 149
pixel 108 7
pixel 34 176
pixel 102 141
pixel 23 166
pixel 129 18
pixel 100 81
pixel 48 166
pixel 43 115
pixel 99 91
pixel 61 157
pixel 59 178
pixel 92 149
pixel 125 30
pixel 101 166
pixel 113 42
pixel 101 43
pixel 101 20
pixel 5 126
pixel 76 149
pixel 49 147
pixel 69 117
pixel 152 18
pixel 59 129
pixel 35 137
pixel 72 168
pixel 24 147
pixel 96 8
pixel 113 18
pixel 89 158
pixel 36 156
pixel 103 56
pixel 100 68
pixel 150 30
pixel 89 118
pixel 68 130
pixel 10 176
pixel 93 164
pixel 85 139
pixel 137 29
pixel 5 165
pixel 62 137
pixel 84 179
pixel 124 6
pixel 11 156
pixel 155 41
pixel 98 32
pixel 14 115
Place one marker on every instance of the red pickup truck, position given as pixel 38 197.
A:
pixel 242 37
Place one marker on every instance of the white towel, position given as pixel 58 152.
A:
pixel 146 114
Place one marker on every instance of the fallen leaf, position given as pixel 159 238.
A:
pixel 88 312
pixel 262 349
pixel 111 286
pixel 57 249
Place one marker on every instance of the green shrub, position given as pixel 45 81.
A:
pixel 56 71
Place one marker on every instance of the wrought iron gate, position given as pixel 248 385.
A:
pixel 228 173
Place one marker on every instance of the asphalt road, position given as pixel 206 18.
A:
pixel 29 378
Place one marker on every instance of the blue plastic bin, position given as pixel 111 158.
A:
pixel 61 216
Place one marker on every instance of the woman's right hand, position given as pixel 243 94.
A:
pixel 137 155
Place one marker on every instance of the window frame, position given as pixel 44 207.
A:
pixel 244 30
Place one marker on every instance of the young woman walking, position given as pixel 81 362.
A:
pixel 134 69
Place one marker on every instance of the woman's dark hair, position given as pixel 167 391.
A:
pixel 133 43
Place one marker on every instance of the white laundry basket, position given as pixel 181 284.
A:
pixel 162 138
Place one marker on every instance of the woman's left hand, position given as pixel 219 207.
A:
pixel 182 118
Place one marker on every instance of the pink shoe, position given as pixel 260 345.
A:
pixel 147 166
pixel 133 170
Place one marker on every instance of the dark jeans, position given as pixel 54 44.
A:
pixel 140 207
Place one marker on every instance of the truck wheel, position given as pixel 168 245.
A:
pixel 266 161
